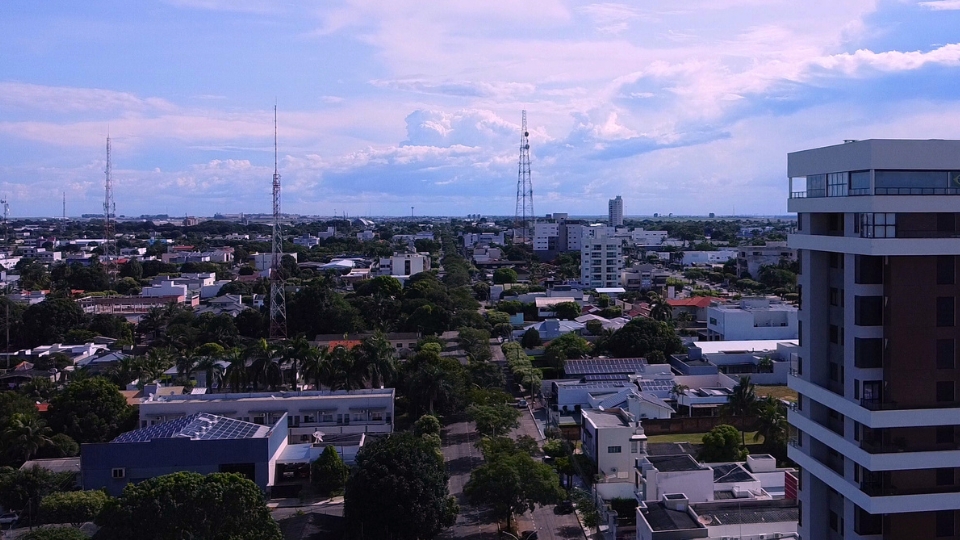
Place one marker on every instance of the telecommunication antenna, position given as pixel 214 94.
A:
pixel 6 222
pixel 524 214
pixel 109 217
pixel 278 302
pixel 63 221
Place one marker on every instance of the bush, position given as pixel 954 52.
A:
pixel 73 507
pixel 55 533
pixel 329 473
pixel 722 444
pixel 531 338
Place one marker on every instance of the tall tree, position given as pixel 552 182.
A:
pixel 217 506
pixel 90 410
pixel 24 436
pixel 49 321
pixel 743 401
pixel 375 360
pixel 398 491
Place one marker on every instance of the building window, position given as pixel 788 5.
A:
pixel 258 419
pixel 945 391
pixel 946 354
pixel 326 417
pixel 304 438
pixel 946 269
pixel 834 521
pixel 868 352
pixel 946 223
pixel 834 334
pixel 118 473
pixel 945 311
pixel 376 416
pixel 878 225
pixel 309 418
pixel 837 184
pixel 634 447
pixel 868 270
pixel 613 449
pixel 945 435
pixel 834 296
pixel 945 476
pixel 868 310
pixel 945 523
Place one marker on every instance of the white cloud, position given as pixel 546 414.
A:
pixel 942 5
pixel 851 64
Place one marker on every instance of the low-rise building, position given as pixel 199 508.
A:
pixel 403 264
pixel 332 412
pixel 752 319
pixel 613 439
pixel 751 258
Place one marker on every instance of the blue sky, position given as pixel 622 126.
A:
pixel 682 106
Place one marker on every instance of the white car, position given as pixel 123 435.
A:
pixel 9 518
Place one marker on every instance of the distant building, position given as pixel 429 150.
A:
pixel 404 264
pixel 751 319
pixel 615 212
pixel 601 259
pixel 751 258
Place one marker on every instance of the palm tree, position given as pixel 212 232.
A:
pixel 743 402
pixel 187 363
pixel 264 364
pixel 25 436
pixel 212 368
pixel 294 353
pixel 771 424
pixel 660 310
pixel 677 391
pixel 375 360
pixel 236 374
pixel 316 366
pixel 342 374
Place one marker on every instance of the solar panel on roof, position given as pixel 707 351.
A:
pixel 603 366
pixel 201 426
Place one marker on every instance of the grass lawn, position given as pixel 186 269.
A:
pixel 694 438
pixel 777 392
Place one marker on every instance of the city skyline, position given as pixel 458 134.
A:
pixel 687 109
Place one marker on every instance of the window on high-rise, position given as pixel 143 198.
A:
pixel 945 523
pixel 946 354
pixel 868 270
pixel 946 269
pixel 945 435
pixel 945 311
pixel 868 310
pixel 945 476
pixel 945 392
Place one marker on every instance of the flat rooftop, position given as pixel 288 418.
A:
pixel 731 473
pixel 662 518
pixel 747 512
pixel 675 463
pixel 610 418
pixel 740 347
pixel 273 396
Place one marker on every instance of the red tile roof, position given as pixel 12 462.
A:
pixel 698 301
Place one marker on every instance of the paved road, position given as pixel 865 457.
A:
pixel 462 456
pixel 551 526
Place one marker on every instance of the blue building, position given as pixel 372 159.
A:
pixel 202 443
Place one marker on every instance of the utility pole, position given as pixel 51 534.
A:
pixel 278 302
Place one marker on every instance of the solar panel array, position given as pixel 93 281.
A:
pixel 596 366
pixel 606 377
pixel 199 426
pixel 655 385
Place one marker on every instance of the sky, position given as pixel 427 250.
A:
pixel 679 106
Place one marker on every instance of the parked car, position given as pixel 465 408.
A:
pixel 522 404
pixel 565 507
pixel 9 518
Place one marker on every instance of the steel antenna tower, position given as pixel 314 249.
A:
pixel 524 213
pixel 278 301
pixel 109 220
pixel 6 223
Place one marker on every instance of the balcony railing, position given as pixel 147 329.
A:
pixel 857 192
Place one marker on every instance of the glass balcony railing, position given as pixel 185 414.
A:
pixel 858 192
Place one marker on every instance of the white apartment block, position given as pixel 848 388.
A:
pixel 752 319
pixel 330 412
pixel 404 264
pixel 751 258
pixel 601 259
pixel 614 440
pixel 878 420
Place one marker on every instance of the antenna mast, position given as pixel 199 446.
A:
pixel 6 223
pixel 109 221
pixel 278 302
pixel 524 215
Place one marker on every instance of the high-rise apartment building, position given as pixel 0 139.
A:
pixel 601 258
pixel 877 425
pixel 615 212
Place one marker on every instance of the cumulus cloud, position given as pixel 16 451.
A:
pixel 853 63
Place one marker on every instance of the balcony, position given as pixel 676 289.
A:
pixel 859 192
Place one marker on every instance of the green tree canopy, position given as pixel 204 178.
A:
pixel 504 275
pixel 90 410
pixel 329 473
pixel 218 506
pixel 530 338
pixel 494 419
pixel 398 491
pixel 641 336
pixel 73 507
pixel 512 482
pixel 567 310
pixel 722 443
pixel 49 321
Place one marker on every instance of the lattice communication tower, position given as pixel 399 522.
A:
pixel 524 216
pixel 109 221
pixel 278 301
